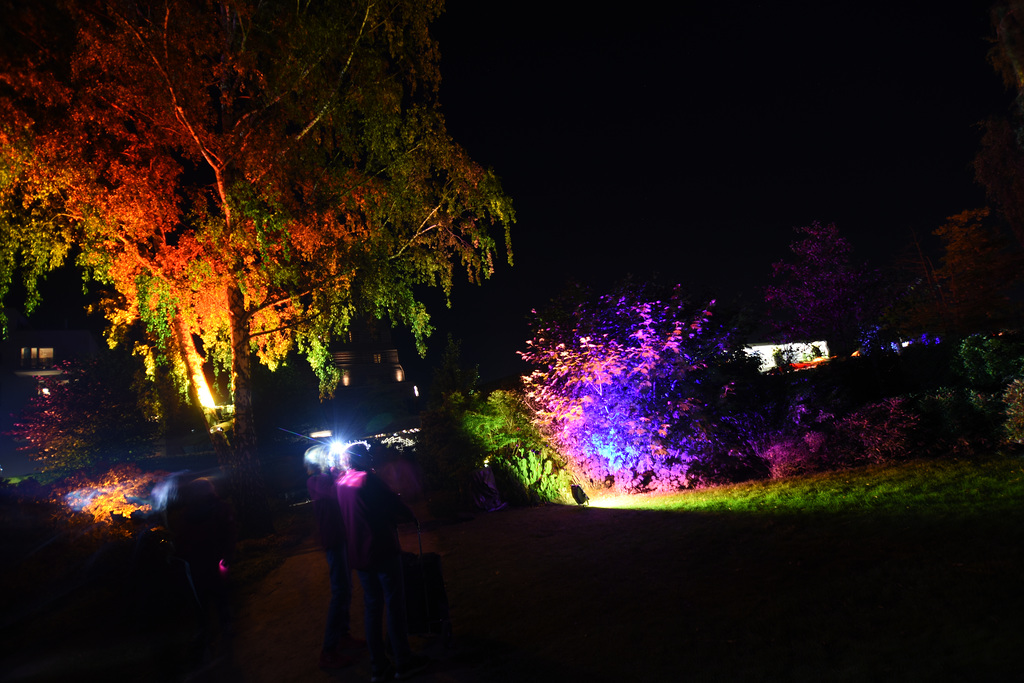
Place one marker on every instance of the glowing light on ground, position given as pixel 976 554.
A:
pixel 631 501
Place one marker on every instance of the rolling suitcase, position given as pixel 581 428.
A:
pixel 426 600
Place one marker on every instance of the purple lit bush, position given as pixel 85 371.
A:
pixel 630 383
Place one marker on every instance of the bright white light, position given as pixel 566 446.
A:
pixel 205 397
pixel 322 434
pixel 799 352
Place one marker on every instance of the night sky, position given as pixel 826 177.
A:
pixel 688 141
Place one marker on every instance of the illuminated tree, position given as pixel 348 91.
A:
pixel 821 293
pixel 628 383
pixel 969 290
pixel 450 453
pixel 999 163
pixel 240 177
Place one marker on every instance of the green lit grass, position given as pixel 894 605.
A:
pixel 925 488
pixel 899 573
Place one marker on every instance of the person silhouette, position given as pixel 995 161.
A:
pixel 203 531
pixel 331 535
pixel 370 513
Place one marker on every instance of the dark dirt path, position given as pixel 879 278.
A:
pixel 560 593
pixel 528 603
pixel 280 626
pixel 564 593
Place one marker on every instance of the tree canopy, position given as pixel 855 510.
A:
pixel 821 292
pixel 970 289
pixel 240 178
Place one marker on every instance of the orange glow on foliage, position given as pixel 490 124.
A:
pixel 121 491
pixel 803 365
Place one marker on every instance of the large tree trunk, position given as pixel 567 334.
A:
pixel 248 487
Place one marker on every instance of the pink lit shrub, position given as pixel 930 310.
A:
pixel 788 456
pixel 879 432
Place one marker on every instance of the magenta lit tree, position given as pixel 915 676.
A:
pixel 626 382
pixel 821 293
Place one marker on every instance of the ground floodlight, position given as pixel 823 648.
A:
pixel 578 494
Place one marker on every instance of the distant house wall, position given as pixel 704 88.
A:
pixel 796 352
pixel 368 357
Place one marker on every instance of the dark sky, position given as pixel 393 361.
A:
pixel 688 141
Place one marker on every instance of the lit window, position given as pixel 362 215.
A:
pixel 376 358
pixel 33 357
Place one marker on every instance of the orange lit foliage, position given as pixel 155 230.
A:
pixel 250 175
pixel 970 289
pixel 121 491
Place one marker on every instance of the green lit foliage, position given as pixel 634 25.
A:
pixel 973 411
pixel 990 361
pixel 959 420
pixel 463 431
pixel 95 413
pixel 527 467
pixel 1013 400
pixel 467 432
pixel 449 453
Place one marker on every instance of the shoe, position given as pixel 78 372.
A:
pixel 414 665
pixel 332 659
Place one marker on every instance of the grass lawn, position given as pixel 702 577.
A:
pixel 903 573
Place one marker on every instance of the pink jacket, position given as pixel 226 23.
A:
pixel 370 513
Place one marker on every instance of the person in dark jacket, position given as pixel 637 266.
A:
pixel 203 531
pixel 331 534
pixel 370 513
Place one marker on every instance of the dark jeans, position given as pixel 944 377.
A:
pixel 383 589
pixel 341 595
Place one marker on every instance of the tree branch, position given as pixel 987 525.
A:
pixel 341 75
